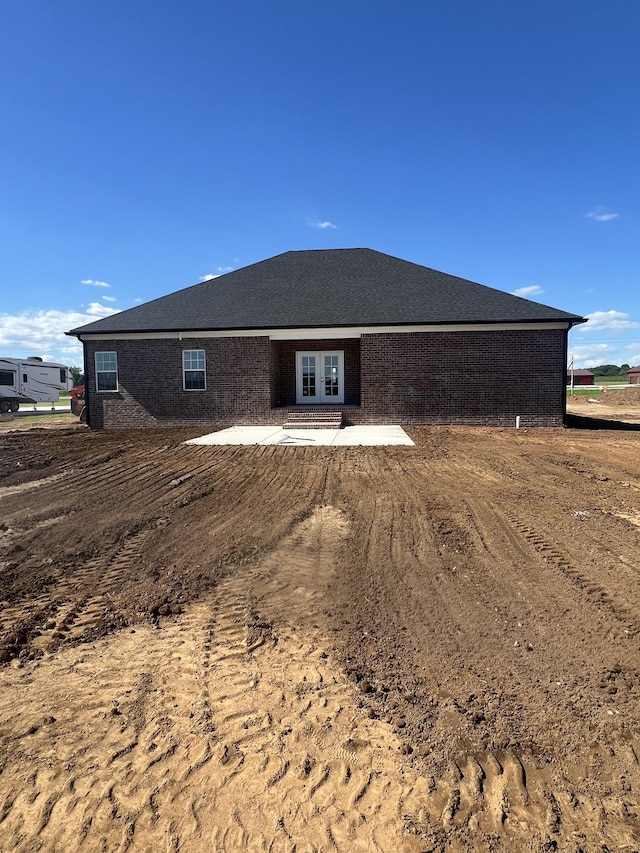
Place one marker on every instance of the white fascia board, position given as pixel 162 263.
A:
pixel 323 334
pixel 359 331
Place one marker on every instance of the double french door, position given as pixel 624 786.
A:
pixel 320 377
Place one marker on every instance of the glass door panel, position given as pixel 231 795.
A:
pixel 331 377
pixel 309 376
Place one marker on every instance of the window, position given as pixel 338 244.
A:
pixel 106 371
pixel 193 370
pixel 63 375
pixel 7 377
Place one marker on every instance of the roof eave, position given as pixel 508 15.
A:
pixel 571 320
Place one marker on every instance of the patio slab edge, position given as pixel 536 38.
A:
pixel 351 436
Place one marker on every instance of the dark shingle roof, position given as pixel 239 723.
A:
pixel 330 287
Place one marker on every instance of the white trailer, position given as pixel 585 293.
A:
pixel 31 380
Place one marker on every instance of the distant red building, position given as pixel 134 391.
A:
pixel 634 375
pixel 580 377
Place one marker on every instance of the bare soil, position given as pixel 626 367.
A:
pixel 306 649
pixel 620 405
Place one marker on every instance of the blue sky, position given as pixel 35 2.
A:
pixel 148 145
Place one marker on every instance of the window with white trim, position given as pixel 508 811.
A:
pixel 106 371
pixel 193 370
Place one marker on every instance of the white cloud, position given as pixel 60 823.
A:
pixel 36 332
pixel 221 271
pixel 109 299
pixel 531 290
pixel 137 299
pixel 96 309
pixel 314 223
pixel 94 283
pixel 616 321
pixel 600 216
pixel 591 355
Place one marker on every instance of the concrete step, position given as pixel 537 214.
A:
pixel 316 414
pixel 312 425
pixel 313 420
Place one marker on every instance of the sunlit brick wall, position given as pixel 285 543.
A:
pixel 484 378
pixel 464 377
pixel 150 387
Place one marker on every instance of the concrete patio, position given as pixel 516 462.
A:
pixel 351 436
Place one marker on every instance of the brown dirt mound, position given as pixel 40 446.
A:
pixel 624 397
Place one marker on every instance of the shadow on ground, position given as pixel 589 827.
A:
pixel 582 422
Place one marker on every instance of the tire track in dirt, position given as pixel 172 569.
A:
pixel 139 478
pixel 143 470
pixel 513 748
pixel 469 589
pixel 533 550
pixel 583 526
pixel 75 603
pixel 297 729
pixel 594 590
pixel 71 582
pixel 526 536
pixel 226 729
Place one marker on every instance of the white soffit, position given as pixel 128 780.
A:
pixel 321 334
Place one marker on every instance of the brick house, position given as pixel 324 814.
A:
pixel 634 375
pixel 381 339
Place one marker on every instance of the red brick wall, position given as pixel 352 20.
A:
pixel 150 389
pixel 432 378
pixel 284 362
pixel 464 377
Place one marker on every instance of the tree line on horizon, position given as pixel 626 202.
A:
pixel 610 370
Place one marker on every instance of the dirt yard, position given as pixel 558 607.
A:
pixel 311 649
pixel 622 405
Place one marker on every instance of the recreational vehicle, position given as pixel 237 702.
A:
pixel 31 380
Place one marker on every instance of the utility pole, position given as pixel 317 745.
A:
pixel 571 373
